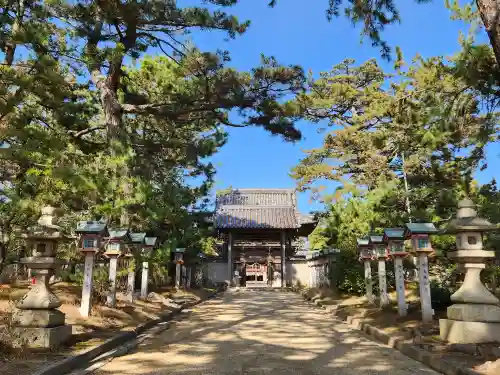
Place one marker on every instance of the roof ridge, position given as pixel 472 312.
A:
pixel 253 207
pixel 260 190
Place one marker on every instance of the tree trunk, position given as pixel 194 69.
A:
pixel 114 124
pixel 490 15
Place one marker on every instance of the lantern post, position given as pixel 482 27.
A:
pixel 419 233
pixel 379 250
pixel 179 254
pixel 394 238
pixel 365 254
pixel 91 234
pixel 147 249
pixel 116 244
pixel 136 244
pixel 475 315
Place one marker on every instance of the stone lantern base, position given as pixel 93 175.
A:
pixel 471 324
pixel 41 337
pixel 462 332
pixel 40 328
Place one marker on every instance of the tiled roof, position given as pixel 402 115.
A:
pixel 279 218
pixel 257 197
pixel 257 208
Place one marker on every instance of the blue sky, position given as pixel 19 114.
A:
pixel 297 32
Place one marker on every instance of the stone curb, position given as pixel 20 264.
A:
pixel 72 363
pixel 395 342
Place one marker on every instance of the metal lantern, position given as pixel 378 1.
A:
pixel 116 241
pixel 419 233
pixel 91 234
pixel 379 248
pixel 394 238
pixel 364 247
pixel 136 242
pixel 149 245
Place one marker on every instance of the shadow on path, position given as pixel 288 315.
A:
pixel 261 332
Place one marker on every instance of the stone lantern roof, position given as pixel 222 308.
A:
pixel 467 220
pixel 46 227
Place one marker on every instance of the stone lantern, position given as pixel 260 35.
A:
pixel 179 254
pixel 146 251
pixel 475 315
pixel 136 242
pixel 116 245
pixel 379 251
pixel 365 254
pixel 394 238
pixel 38 323
pixel 91 234
pixel 419 233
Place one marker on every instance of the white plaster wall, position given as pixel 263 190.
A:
pixel 298 271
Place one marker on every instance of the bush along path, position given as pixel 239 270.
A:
pixel 131 322
pixel 408 334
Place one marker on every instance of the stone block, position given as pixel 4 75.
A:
pixel 474 312
pixel 45 338
pixel 38 318
pixel 461 332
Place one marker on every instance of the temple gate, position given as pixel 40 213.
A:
pixel 260 228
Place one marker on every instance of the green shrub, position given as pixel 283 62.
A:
pixel 347 274
pixel 440 296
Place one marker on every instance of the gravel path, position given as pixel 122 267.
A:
pixel 261 332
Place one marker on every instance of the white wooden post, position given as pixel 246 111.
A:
pixel 425 287
pixel 86 303
pixel 144 280
pixel 382 282
pixel 188 278
pixel 183 272
pixel 113 265
pixel 178 275
pixel 400 285
pixel 368 280
pixel 131 283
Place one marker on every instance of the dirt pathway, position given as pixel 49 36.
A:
pixel 261 332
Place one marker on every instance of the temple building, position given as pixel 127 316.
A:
pixel 264 238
